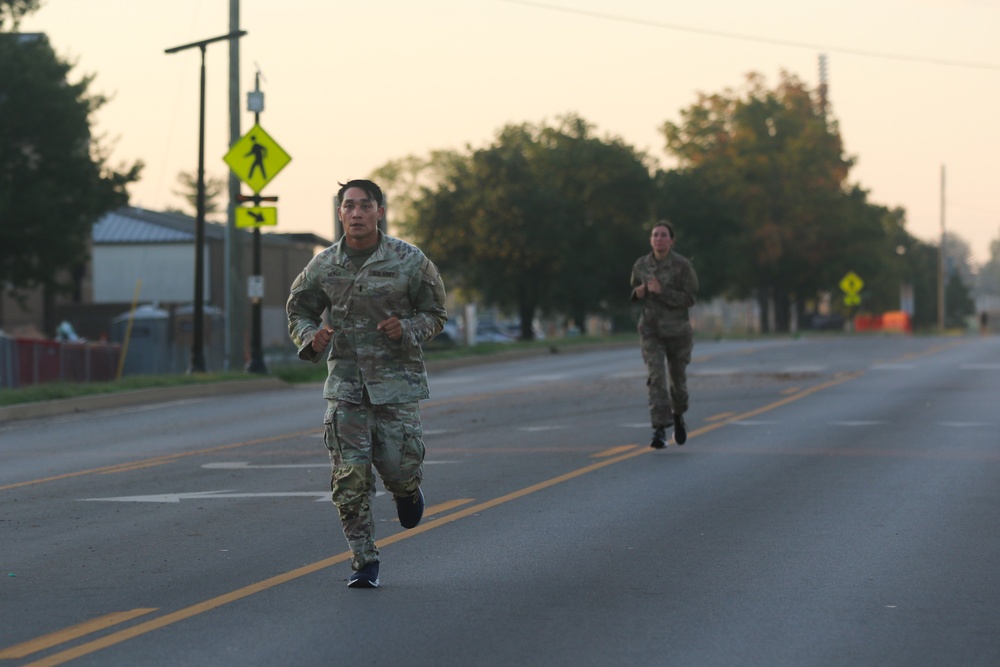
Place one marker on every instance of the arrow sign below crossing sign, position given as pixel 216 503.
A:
pixel 256 216
pixel 256 158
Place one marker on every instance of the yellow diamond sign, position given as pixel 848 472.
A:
pixel 852 283
pixel 256 158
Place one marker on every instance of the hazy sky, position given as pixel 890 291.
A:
pixel 352 85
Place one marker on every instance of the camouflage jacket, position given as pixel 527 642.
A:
pixel 397 280
pixel 669 309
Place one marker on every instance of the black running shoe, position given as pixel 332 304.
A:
pixel 366 577
pixel 410 509
pixel 680 431
pixel 659 438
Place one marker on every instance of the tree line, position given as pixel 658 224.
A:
pixel 549 217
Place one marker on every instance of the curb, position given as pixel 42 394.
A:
pixel 162 394
pixel 138 397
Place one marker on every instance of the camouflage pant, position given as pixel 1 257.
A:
pixel 667 358
pixel 357 437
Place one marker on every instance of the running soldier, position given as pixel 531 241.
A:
pixel 383 299
pixel 665 283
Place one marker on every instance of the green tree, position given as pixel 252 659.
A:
pixel 11 11
pixel 958 302
pixel 216 189
pixel 989 274
pixel 54 178
pixel 545 218
pixel 776 165
pixel 404 180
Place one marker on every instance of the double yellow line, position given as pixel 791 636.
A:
pixel 610 457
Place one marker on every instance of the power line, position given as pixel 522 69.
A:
pixel 754 38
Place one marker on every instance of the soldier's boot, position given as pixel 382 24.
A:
pixel 410 509
pixel 680 430
pixel 659 438
pixel 366 577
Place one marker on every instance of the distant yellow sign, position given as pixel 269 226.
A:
pixel 256 216
pixel 256 158
pixel 852 284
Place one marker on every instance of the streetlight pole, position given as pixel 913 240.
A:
pixel 197 344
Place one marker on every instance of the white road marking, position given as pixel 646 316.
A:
pixel 627 375
pixel 893 367
pixel 861 422
pixel 716 371
pixel 212 495
pixel 552 377
pixel 759 422
pixel 245 465
pixel 980 367
pixel 534 429
pixel 964 424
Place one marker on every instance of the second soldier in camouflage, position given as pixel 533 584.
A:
pixel 665 284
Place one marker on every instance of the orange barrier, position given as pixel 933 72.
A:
pixel 894 321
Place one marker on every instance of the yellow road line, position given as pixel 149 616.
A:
pixel 612 452
pixel 444 507
pixel 239 594
pixel 71 633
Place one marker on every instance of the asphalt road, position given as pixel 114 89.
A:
pixel 836 504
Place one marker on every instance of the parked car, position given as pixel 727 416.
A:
pixel 449 337
pixel 490 332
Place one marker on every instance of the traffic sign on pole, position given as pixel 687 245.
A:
pixel 852 284
pixel 256 216
pixel 256 158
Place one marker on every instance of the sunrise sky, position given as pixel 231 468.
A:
pixel 914 84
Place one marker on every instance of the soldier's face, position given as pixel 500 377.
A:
pixel 360 216
pixel 661 241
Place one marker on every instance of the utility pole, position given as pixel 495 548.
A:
pixel 197 343
pixel 234 246
pixel 941 261
pixel 255 103
pixel 822 84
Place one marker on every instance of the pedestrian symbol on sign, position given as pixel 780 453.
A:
pixel 852 284
pixel 256 158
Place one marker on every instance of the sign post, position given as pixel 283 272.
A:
pixel 256 158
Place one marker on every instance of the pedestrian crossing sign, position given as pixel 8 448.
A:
pixel 256 158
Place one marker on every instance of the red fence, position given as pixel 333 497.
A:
pixel 26 361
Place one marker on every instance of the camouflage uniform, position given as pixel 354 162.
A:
pixel 665 332
pixel 374 383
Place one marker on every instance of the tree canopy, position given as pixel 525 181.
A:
pixel 54 178
pixel 762 185
pixel 547 217
pixel 11 11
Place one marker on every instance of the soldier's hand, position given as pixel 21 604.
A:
pixel 322 339
pixel 392 328
pixel 653 285
pixel 640 291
